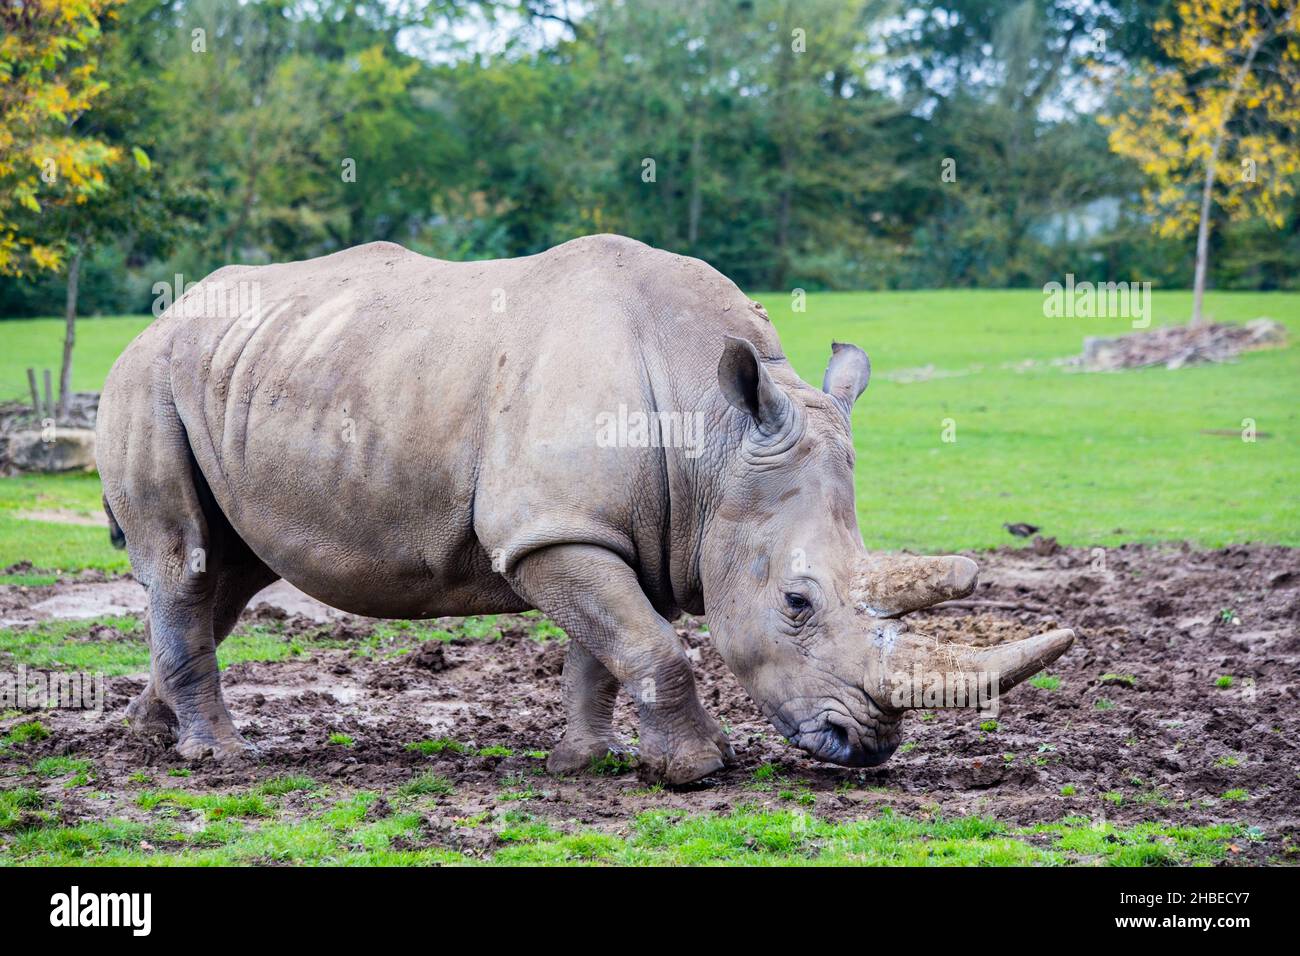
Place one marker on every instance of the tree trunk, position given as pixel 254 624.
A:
pixel 70 332
pixel 1203 236
pixel 1207 191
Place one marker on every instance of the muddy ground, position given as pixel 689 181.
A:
pixel 1138 726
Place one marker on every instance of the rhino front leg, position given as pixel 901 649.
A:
pixel 596 598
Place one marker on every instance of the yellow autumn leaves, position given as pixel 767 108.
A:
pixel 1227 109
pixel 47 80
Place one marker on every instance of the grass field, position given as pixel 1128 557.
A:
pixel 1096 459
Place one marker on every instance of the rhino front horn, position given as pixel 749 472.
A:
pixel 907 671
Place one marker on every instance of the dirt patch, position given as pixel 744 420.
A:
pixel 90 594
pixel 64 516
pixel 1135 724
pixel 1174 346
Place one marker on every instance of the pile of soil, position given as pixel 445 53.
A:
pixel 1139 723
pixel 1174 346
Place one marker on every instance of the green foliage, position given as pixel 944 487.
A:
pixel 789 150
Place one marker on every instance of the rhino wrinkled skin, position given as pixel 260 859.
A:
pixel 404 437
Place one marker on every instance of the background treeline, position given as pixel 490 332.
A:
pixel 784 158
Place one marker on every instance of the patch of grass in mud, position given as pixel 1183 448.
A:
pixel 26 732
pixel 431 748
pixel 114 646
pixel 258 642
pixel 391 632
pixel 214 806
pixel 1143 844
pixel 79 645
pixel 426 784
pixel 20 805
pixel 364 828
pixel 279 786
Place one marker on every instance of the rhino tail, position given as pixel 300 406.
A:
pixel 115 534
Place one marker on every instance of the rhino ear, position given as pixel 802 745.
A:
pixel 747 386
pixel 847 374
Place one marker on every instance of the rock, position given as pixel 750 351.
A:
pixel 69 449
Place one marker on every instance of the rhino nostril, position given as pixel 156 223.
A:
pixel 839 739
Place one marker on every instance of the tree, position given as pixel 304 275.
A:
pixel 47 81
pixel 1221 123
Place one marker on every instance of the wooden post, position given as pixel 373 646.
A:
pixel 49 396
pixel 36 394
pixel 70 331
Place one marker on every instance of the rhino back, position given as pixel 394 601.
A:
pixel 383 425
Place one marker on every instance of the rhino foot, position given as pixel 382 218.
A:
pixel 676 759
pixel 681 766
pixel 577 755
pixel 148 717
pixel 230 748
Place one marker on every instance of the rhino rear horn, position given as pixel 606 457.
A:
pixel 891 586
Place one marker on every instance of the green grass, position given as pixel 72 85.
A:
pixel 51 545
pixel 426 784
pixel 63 644
pixel 442 745
pixel 250 827
pixel 38 344
pixel 1096 459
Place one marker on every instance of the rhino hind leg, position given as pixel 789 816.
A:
pixel 595 596
pixel 241 576
pixel 199 575
pixel 589 692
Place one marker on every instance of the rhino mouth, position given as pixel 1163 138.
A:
pixel 837 738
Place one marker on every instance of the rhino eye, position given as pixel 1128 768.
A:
pixel 796 602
